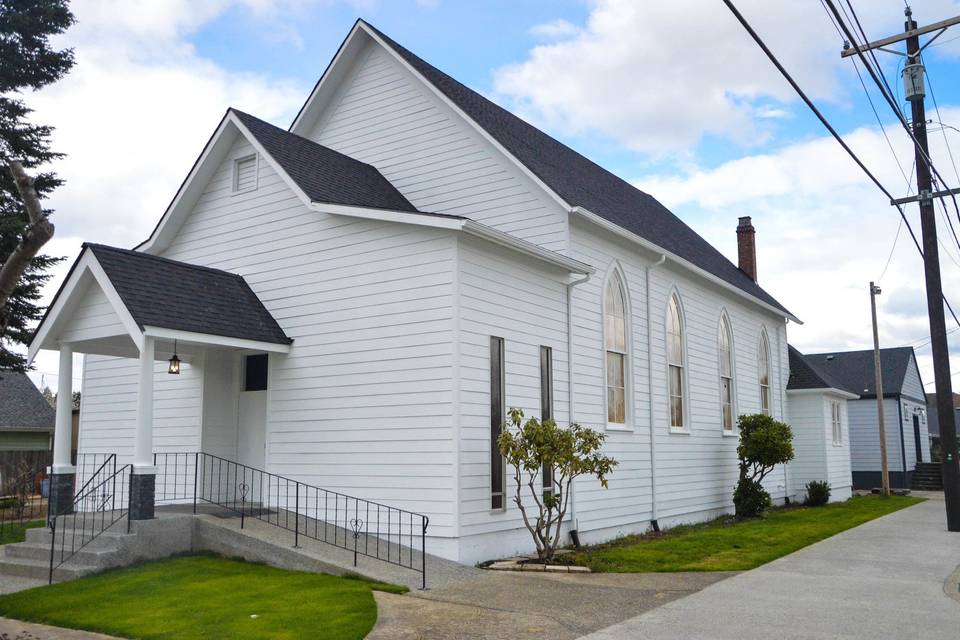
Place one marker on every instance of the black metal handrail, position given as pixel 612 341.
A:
pixel 103 502
pixel 364 527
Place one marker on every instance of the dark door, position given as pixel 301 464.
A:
pixel 916 437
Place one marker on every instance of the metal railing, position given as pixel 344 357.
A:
pixel 25 490
pixel 102 502
pixel 363 527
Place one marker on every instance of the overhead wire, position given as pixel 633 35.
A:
pixel 826 123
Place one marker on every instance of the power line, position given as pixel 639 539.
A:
pixel 803 96
pixel 928 161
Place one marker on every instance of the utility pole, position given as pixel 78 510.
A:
pixel 913 74
pixel 878 387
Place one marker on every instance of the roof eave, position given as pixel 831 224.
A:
pixel 588 215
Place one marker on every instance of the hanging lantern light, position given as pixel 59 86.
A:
pixel 174 368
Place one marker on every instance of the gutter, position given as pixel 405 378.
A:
pixel 653 440
pixel 523 246
pixel 620 231
pixel 570 385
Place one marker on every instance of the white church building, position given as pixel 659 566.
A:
pixel 356 301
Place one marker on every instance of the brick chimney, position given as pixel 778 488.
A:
pixel 747 247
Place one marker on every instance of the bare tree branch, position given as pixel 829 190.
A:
pixel 38 233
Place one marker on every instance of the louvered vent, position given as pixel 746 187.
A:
pixel 245 174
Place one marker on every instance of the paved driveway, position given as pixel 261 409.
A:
pixel 888 578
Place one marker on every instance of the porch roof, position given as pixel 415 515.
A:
pixel 159 292
pixel 113 298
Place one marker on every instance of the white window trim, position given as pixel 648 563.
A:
pixel 764 340
pixel 733 376
pixel 836 427
pixel 235 173
pixel 685 367
pixel 627 425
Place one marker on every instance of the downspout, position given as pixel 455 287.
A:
pixel 653 440
pixel 573 503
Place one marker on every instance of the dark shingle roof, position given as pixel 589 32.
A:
pixel 22 405
pixel 326 175
pixel 165 293
pixel 804 374
pixel 581 182
pixel 854 370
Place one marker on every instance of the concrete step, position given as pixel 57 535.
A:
pixel 94 557
pixel 42 535
pixel 40 569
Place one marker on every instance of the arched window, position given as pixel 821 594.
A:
pixel 615 337
pixel 763 366
pixel 675 362
pixel 725 351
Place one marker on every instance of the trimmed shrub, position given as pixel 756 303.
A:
pixel 818 493
pixel 750 499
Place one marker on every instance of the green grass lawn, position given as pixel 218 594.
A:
pixel 204 597
pixel 725 545
pixel 16 532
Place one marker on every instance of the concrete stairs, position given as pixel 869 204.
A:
pixel 927 477
pixel 31 558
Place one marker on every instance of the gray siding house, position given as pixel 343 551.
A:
pixel 26 426
pixel 905 412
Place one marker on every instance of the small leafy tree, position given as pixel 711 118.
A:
pixel 571 452
pixel 764 443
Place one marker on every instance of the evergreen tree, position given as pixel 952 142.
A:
pixel 27 62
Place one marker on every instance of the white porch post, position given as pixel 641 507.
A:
pixel 63 430
pixel 143 443
pixel 143 480
pixel 62 472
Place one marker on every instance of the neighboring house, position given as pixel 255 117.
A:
pixel 357 302
pixel 933 422
pixel 26 426
pixel 817 412
pixel 26 418
pixel 904 403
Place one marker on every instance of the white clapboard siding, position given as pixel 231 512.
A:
pixel 501 294
pixel 385 116
pixel 696 470
pixel 93 318
pixel 838 455
pixel 362 403
pixel 108 412
pixel 915 397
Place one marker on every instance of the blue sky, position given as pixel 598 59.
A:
pixel 673 97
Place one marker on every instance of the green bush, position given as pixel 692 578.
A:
pixel 750 499
pixel 818 493
pixel 764 443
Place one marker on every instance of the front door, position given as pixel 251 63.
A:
pixel 252 419
pixel 916 437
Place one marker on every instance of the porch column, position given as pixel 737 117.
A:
pixel 143 480
pixel 63 473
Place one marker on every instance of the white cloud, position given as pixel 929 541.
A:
pixel 554 29
pixel 823 233
pixel 657 76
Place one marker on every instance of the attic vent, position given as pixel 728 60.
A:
pixel 245 173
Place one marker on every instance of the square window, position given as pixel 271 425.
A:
pixel 255 373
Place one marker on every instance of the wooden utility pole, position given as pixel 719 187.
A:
pixel 878 387
pixel 913 75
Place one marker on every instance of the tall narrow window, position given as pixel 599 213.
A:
pixel 725 350
pixel 836 422
pixel 546 407
pixel 497 417
pixel 675 362
pixel 763 366
pixel 615 336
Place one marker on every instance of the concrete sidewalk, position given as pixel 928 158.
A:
pixel 884 579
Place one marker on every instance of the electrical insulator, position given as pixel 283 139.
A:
pixel 913 88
